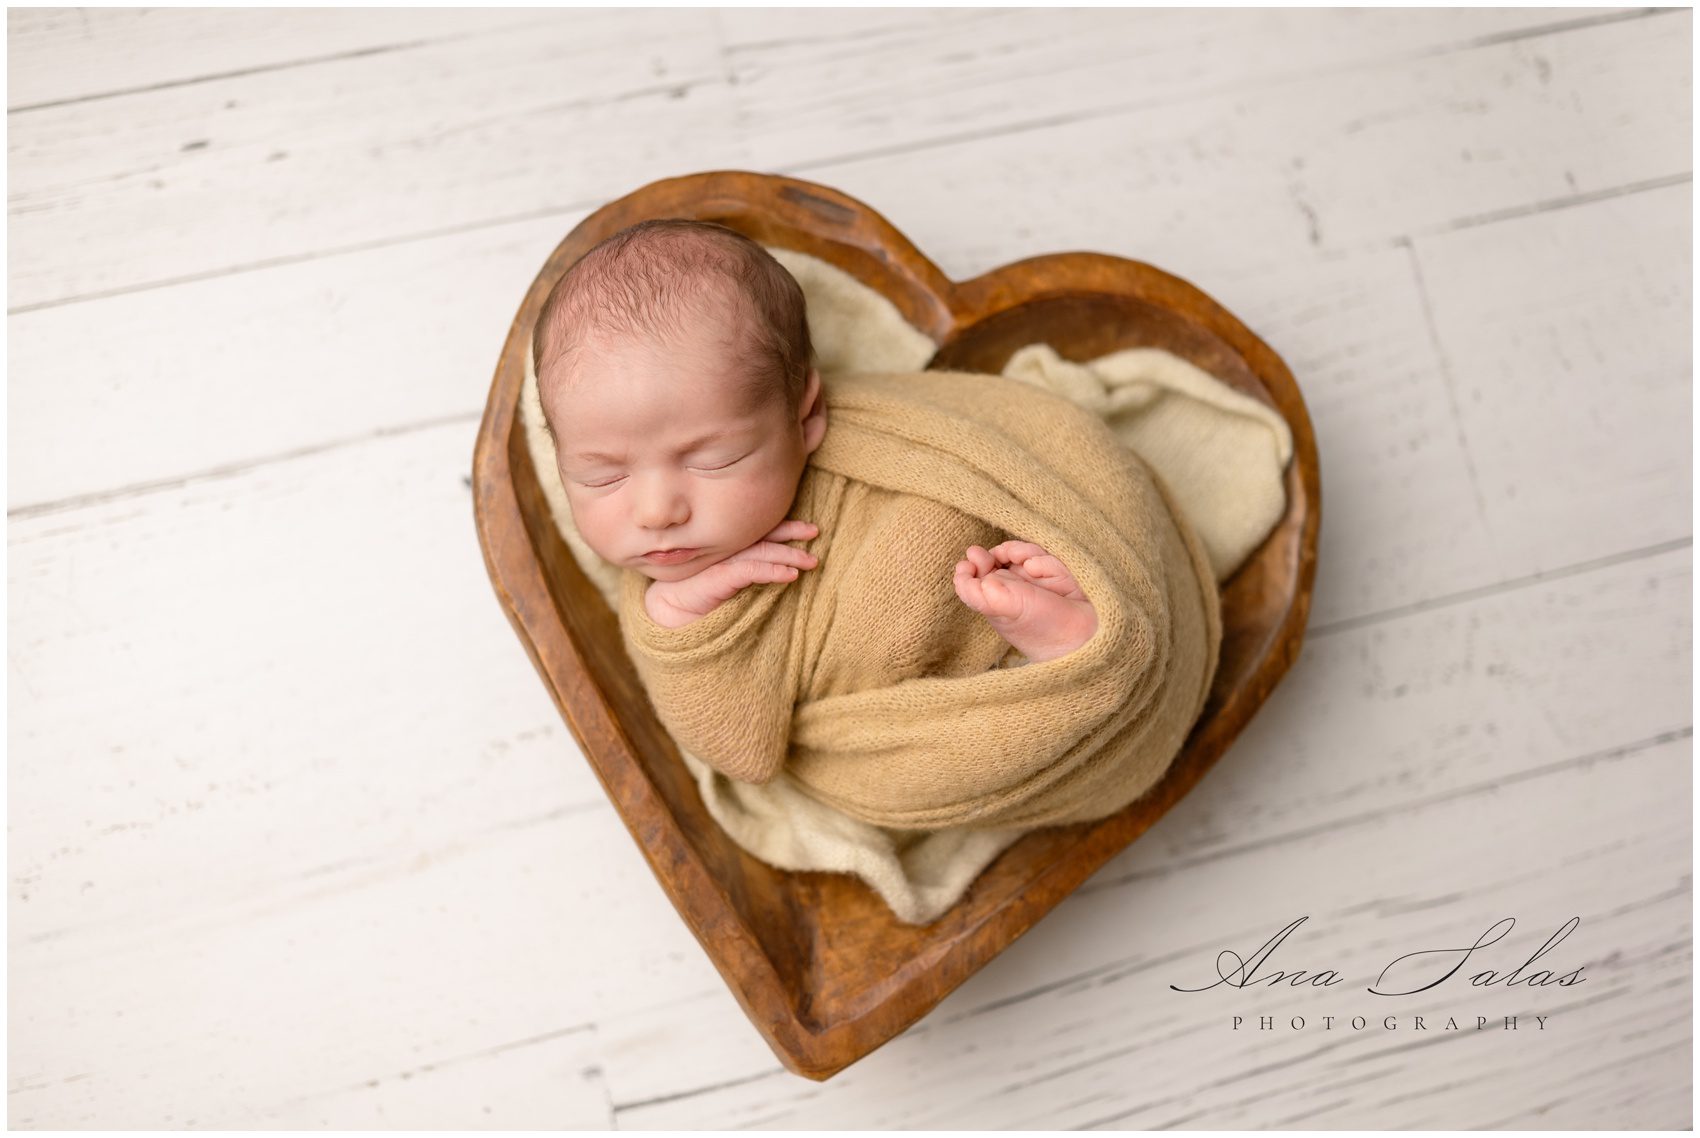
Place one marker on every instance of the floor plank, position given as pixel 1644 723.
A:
pixel 1559 350
pixel 295 358
pixel 815 91
pixel 60 55
pixel 286 171
pixel 181 183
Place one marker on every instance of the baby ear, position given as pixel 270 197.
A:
pixel 812 411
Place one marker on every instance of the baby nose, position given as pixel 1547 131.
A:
pixel 661 505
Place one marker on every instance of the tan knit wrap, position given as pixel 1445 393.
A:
pixel 868 683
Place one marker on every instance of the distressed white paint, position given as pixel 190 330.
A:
pixel 63 54
pixel 297 838
pixel 1568 358
pixel 290 358
pixel 348 151
pixel 181 182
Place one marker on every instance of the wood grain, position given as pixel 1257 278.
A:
pixel 60 55
pixel 111 196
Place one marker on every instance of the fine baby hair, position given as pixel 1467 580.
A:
pixel 652 278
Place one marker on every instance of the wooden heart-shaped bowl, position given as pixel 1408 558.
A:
pixel 820 965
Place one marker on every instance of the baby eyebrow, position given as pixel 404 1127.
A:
pixel 712 436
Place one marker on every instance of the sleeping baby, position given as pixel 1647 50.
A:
pixel 696 443
pixel 688 432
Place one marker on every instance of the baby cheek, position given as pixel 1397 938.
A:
pixel 597 520
pixel 770 497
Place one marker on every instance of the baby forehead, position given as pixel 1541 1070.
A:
pixel 686 380
pixel 664 411
pixel 664 396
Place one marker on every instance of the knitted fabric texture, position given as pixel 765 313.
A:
pixel 877 691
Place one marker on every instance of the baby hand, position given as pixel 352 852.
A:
pixel 1028 596
pixel 673 604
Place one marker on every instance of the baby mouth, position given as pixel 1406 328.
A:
pixel 670 556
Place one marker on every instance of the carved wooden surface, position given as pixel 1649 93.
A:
pixel 298 839
pixel 824 969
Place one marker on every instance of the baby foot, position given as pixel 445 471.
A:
pixel 1028 596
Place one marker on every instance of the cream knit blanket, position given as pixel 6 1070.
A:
pixel 1220 454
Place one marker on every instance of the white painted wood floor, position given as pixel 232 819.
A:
pixel 296 837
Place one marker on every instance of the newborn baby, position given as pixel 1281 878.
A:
pixel 673 363
pixel 875 661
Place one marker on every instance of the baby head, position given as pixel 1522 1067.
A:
pixel 674 366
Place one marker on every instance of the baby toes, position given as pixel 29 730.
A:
pixel 1048 565
pixel 970 588
pixel 1049 573
pixel 1015 552
pixel 1005 595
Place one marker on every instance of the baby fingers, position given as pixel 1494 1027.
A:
pixel 791 529
pixel 760 571
pixel 718 582
pixel 773 551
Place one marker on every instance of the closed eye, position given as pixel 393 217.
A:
pixel 723 465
